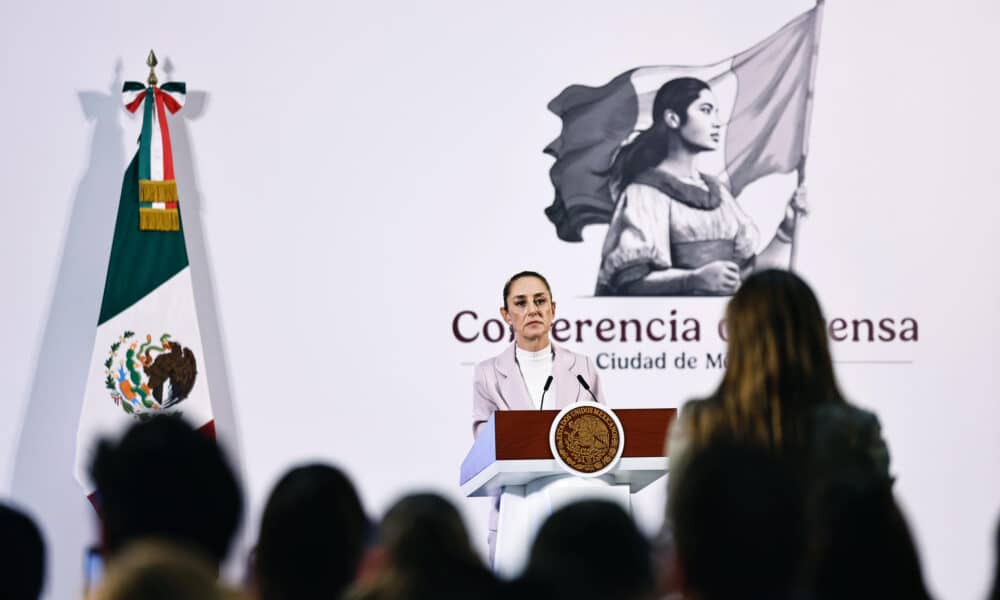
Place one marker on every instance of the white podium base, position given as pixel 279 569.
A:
pixel 523 509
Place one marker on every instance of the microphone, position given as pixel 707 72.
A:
pixel 548 383
pixel 583 382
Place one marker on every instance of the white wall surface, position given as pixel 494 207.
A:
pixel 354 174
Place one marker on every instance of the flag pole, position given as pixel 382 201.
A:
pixel 801 169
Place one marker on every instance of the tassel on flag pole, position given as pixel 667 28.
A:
pixel 158 199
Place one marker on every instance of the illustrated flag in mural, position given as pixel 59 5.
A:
pixel 147 357
pixel 764 95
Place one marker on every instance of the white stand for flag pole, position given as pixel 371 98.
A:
pixel 801 170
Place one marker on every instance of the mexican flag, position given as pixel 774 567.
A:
pixel 147 357
pixel 764 97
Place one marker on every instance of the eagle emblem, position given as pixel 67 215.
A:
pixel 149 377
pixel 586 439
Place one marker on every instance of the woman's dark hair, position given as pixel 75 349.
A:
pixel 779 364
pixel 521 275
pixel 650 147
pixel 311 535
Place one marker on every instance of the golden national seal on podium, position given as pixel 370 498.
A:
pixel 587 439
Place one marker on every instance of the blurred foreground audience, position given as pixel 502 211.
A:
pixel 166 480
pixel 859 543
pixel 22 556
pixel 748 523
pixel 424 553
pixel 311 536
pixel 738 519
pixel 589 550
pixel 156 570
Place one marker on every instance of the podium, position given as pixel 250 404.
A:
pixel 512 459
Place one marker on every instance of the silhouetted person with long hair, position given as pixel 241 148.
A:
pixel 22 556
pixel 311 536
pixel 426 555
pixel 779 389
pixel 166 480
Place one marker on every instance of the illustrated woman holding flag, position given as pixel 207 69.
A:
pixel 676 231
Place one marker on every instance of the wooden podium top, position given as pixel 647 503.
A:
pixel 513 448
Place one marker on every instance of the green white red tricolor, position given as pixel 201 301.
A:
pixel 148 357
pixel 157 187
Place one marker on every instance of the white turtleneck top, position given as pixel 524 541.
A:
pixel 535 369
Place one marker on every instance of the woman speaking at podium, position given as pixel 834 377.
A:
pixel 532 373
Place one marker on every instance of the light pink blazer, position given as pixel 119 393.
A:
pixel 498 384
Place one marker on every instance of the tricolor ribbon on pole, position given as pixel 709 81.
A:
pixel 157 188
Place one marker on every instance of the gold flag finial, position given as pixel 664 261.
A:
pixel 152 62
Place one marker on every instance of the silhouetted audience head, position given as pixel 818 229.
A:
pixel 589 550
pixel 738 521
pixel 22 556
pixel 311 536
pixel 859 543
pixel 164 479
pixel 426 555
pixel 155 570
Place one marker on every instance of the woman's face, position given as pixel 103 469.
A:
pixel 702 130
pixel 529 310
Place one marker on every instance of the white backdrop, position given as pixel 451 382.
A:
pixel 353 176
